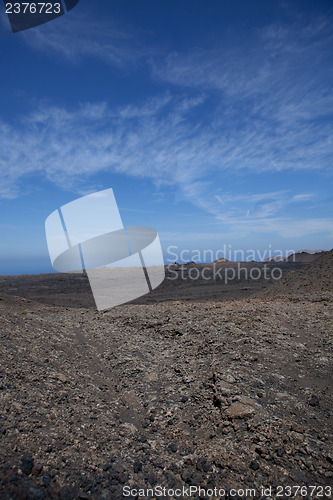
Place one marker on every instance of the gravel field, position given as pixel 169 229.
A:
pixel 198 391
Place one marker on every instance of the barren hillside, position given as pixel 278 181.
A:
pixel 229 394
pixel 313 282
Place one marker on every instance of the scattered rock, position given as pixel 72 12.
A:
pixel 27 464
pixel 239 410
pixel 254 465
pixel 36 469
pixel 203 465
pixel 226 389
pixel 137 467
pixel 314 400
pixel 172 447
pixel 139 378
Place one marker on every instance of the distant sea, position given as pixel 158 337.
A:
pixel 33 265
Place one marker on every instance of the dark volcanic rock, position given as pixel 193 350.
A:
pixel 137 467
pixel 254 465
pixel 172 447
pixel 314 400
pixel 27 464
pixel 242 398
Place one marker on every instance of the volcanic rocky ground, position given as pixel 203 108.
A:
pixel 201 383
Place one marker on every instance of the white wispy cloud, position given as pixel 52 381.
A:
pixel 262 205
pixel 263 108
pixel 78 37
pixel 284 227
pixel 155 141
pixel 67 147
pixel 270 213
pixel 302 197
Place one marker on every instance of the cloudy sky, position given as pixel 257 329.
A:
pixel 211 121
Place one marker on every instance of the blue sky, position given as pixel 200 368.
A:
pixel 211 121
